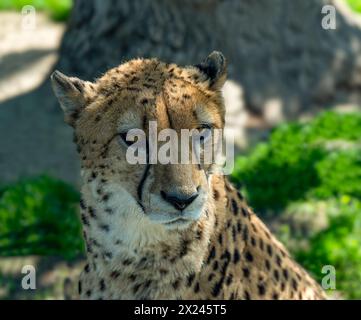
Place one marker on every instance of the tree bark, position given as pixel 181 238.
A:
pixel 277 50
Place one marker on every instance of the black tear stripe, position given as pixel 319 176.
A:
pixel 144 177
pixel 142 181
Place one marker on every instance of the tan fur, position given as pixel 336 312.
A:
pixel 224 253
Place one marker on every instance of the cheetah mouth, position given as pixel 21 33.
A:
pixel 179 222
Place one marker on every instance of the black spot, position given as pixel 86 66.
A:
pixel 115 274
pixel 144 101
pixel 229 279
pixel 275 296
pixel 269 250
pixel 215 265
pixel 186 96
pixel 196 288
pixel 239 195
pixel 210 277
pixel 175 284
pixel 84 219
pixel 244 212
pixel 190 279
pixel 199 234
pixel 215 194
pixel 82 204
pixel 104 227
pixel 217 288
pixel 88 293
pixel 184 248
pixel 261 289
pixel 211 255
pixel 105 197
pixel 236 256
pixel 220 238
pixel 108 255
pixel 278 260
pixel 79 287
pixel 245 233
pixel 89 247
pixel 261 244
pixel 285 273
pixel 247 295
pixel 249 256
pixel 102 285
pixel 127 262
pixel 234 233
pixel 234 207
pixel 294 284
pixel 246 272
pixel 253 241
pixel 92 212
pixel 229 223
pixel 87 268
pixel 136 288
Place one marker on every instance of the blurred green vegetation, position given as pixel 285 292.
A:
pixel 59 10
pixel 318 159
pixel 38 216
pixel 355 5
pixel 338 245
pixel 302 166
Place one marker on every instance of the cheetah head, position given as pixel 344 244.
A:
pixel 132 96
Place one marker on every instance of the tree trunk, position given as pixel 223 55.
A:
pixel 277 50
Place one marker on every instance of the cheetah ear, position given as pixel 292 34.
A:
pixel 215 68
pixel 71 94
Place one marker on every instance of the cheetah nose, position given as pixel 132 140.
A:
pixel 179 201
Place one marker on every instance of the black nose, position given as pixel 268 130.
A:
pixel 179 201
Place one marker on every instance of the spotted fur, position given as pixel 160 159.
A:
pixel 223 251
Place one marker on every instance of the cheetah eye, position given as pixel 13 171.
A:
pixel 205 131
pixel 205 126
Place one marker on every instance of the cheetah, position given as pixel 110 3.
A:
pixel 166 231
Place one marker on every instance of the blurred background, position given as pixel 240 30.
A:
pixel 293 105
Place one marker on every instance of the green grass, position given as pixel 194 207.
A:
pixel 40 216
pixel 59 10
